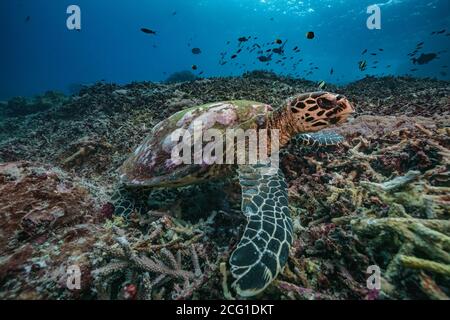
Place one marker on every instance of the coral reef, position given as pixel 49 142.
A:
pixel 380 198
pixel 181 76
pixel 47 224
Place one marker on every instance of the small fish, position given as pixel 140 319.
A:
pixel 388 66
pixel 194 67
pixel 441 32
pixel 424 58
pixel 278 41
pixel 27 19
pixel 373 54
pixel 362 65
pixel 414 70
pixel 265 58
pixel 310 35
pixel 381 50
pixel 234 56
pixel 239 51
pixel 243 39
pixel 331 71
pixel 295 49
pixel 196 51
pixel 420 44
pixel 364 52
pixel 321 84
pixel 147 31
pixel 201 73
pixel 174 13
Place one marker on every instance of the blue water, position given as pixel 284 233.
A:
pixel 42 54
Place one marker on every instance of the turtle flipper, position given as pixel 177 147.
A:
pixel 126 200
pixel 319 139
pixel 264 248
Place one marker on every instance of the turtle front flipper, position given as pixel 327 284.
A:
pixel 126 200
pixel 264 248
pixel 319 139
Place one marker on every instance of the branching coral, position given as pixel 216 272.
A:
pixel 148 270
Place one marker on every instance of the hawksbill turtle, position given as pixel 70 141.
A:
pixel 264 248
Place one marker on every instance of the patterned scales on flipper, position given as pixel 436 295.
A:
pixel 319 139
pixel 264 248
pixel 126 200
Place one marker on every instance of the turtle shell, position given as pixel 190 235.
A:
pixel 152 164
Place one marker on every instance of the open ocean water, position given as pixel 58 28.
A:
pixel 40 53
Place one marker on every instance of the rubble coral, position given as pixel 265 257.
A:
pixel 47 224
pixel 380 198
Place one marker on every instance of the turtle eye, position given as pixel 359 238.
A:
pixel 325 103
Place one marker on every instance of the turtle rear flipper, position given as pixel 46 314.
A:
pixel 127 200
pixel 264 248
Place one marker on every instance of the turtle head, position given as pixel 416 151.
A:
pixel 312 112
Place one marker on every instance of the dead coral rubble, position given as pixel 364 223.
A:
pixel 47 224
pixel 380 198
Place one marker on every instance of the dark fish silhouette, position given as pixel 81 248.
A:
pixel 424 58
pixel 234 56
pixel 196 51
pixel 278 41
pixel 265 58
pixel 420 44
pixel 373 54
pixel 280 50
pixel 27 19
pixel 194 67
pixel 310 35
pixel 364 52
pixel 147 31
pixel 414 70
pixel 174 13
pixel 243 39
pixel 441 32
pixel 381 50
